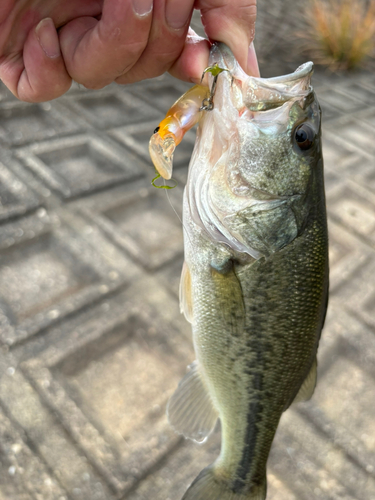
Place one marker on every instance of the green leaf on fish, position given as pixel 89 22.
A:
pixel 165 185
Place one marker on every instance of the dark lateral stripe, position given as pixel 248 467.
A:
pixel 251 435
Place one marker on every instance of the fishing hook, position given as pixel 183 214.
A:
pixel 208 102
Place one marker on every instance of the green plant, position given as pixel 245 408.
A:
pixel 340 33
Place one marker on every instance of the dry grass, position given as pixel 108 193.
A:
pixel 341 33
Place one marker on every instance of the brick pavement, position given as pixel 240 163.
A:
pixel 92 343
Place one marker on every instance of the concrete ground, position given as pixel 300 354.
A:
pixel 92 343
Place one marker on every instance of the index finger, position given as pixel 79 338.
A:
pixel 233 23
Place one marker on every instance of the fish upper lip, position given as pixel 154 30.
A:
pixel 227 57
pixel 301 72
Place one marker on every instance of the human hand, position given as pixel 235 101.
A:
pixel 101 41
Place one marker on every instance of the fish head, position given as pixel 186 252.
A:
pixel 260 151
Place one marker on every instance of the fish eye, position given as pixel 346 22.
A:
pixel 304 136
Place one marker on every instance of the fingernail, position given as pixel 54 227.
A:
pixel 142 7
pixel 252 62
pixel 48 39
pixel 177 13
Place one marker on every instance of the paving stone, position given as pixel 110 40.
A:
pixel 349 130
pixel 5 93
pixel 23 475
pixel 360 297
pixel 138 220
pixel 346 102
pixel 23 123
pixel 359 91
pixel 170 274
pixel 162 93
pixel 346 256
pixel 47 276
pixel 110 108
pixel 80 164
pixel 312 466
pixel 354 207
pixel 369 116
pixel 50 440
pixel 104 385
pixel 15 197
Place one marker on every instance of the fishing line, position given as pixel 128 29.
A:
pixel 174 210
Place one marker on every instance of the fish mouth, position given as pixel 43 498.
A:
pixel 222 55
pixel 260 94
pixel 304 71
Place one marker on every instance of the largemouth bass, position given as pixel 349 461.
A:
pixel 255 279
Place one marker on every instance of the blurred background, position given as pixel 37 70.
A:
pixel 92 343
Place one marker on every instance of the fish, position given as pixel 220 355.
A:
pixel 254 283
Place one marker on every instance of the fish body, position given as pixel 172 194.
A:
pixel 255 278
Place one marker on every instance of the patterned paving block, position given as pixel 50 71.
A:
pixel 5 94
pixel 111 108
pixel 361 170
pixel 109 388
pixel 171 478
pixel 22 474
pixel 81 164
pixel 346 102
pixel 354 132
pixel 26 229
pixel 45 278
pixel 50 441
pixel 348 382
pixel 360 91
pixel 170 274
pixel 137 137
pixel 369 116
pixel 354 207
pixel 23 123
pixel 15 197
pixel 140 220
pixel 328 112
pixel 359 293
pixel 348 347
pixel 312 466
pixel 337 158
pixel 325 455
pixel 346 256
pixel 161 93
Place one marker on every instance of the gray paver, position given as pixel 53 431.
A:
pixel 91 339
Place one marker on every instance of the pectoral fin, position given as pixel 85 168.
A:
pixel 186 304
pixel 229 300
pixel 190 410
pixel 307 388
